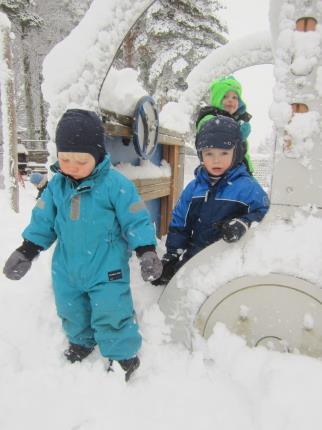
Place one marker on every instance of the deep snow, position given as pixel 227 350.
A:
pixel 222 384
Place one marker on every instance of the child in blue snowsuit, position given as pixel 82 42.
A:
pixel 220 203
pixel 95 215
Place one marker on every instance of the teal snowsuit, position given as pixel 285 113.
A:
pixel 95 222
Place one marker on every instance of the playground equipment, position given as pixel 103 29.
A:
pixel 278 310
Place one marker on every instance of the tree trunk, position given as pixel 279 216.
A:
pixel 42 132
pixel 28 87
pixel 9 128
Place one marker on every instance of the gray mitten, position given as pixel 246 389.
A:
pixel 151 266
pixel 16 266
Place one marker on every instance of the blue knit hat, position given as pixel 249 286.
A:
pixel 81 130
pixel 221 132
pixel 36 178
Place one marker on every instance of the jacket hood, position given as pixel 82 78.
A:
pixel 220 87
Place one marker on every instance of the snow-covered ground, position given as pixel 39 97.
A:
pixel 222 384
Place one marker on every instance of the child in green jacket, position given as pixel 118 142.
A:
pixel 226 99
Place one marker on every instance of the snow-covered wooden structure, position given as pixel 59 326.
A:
pixel 159 193
pixel 197 292
pixel 280 308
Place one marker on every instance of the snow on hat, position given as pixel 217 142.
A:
pixel 81 130
pixel 221 132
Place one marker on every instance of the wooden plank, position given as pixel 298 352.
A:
pixel 117 130
pixel 121 125
pixel 166 139
pixel 153 188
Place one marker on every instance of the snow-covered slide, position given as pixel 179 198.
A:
pixel 267 287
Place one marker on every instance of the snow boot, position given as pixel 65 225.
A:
pixel 129 366
pixel 77 352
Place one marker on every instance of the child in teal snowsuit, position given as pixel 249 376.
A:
pixel 226 99
pixel 95 215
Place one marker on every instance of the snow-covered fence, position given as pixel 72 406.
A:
pixel 263 166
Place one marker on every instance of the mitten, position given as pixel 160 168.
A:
pixel 16 266
pixel 151 266
pixel 233 230
pixel 169 262
pixel 20 260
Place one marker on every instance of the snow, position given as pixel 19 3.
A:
pixel 75 69
pixel 248 50
pixel 223 383
pixel 145 170
pixel 121 91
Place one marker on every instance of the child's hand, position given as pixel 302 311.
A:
pixel 233 230
pixel 16 266
pixel 151 266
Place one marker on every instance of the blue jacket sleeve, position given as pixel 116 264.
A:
pixel 131 212
pixel 179 230
pixel 40 230
pixel 257 201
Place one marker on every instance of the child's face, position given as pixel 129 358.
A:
pixel 230 102
pixel 217 161
pixel 78 165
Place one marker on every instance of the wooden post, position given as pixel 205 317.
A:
pixel 9 127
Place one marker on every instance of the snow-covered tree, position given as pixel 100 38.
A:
pixel 24 19
pixel 169 40
pixel 8 115
pixel 38 27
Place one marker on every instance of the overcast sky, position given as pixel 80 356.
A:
pixel 243 18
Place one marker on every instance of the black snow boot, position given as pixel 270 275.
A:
pixel 129 366
pixel 77 352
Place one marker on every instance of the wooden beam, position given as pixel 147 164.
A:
pixel 153 188
pixel 121 126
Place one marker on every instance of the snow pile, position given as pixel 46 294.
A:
pixel 173 117
pixel 121 91
pixel 318 84
pixel 301 129
pixel 297 54
pixel 306 51
pixel 75 69
pixel 146 170
pixel 39 389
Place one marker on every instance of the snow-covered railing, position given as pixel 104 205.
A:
pixel 249 51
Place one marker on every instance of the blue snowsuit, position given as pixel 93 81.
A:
pixel 95 222
pixel 202 209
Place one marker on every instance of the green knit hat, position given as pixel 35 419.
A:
pixel 220 87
